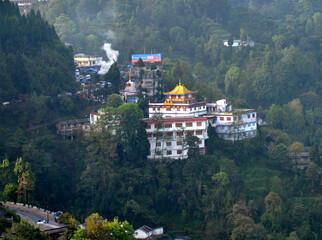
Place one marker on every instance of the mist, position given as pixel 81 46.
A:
pixel 112 56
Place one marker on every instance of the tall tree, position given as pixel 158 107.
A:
pixel 272 217
pixel 113 76
pixel 313 173
pixel 26 179
pixel 132 138
pixel 315 155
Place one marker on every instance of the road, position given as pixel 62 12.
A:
pixel 33 214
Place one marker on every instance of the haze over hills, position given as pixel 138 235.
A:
pixel 248 189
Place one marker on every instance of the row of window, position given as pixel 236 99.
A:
pixel 178 143
pixel 177 125
pixel 228 119
pixel 169 152
pixel 168 108
pixel 178 134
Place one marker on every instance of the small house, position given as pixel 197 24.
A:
pixel 143 232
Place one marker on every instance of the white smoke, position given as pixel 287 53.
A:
pixel 112 56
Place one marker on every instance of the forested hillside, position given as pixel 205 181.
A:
pixel 242 190
pixel 32 58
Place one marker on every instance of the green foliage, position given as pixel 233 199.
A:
pixel 131 134
pixel 272 217
pixel 114 100
pixel 24 231
pixel 113 76
pixel 110 174
pixel 97 228
pixel 10 192
pixel 140 63
pixel 25 65
pixel 313 173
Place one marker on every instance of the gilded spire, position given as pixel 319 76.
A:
pixel 180 90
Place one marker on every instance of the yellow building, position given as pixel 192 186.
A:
pixel 82 60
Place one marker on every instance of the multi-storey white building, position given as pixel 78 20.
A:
pixel 232 124
pixel 168 136
pixel 169 124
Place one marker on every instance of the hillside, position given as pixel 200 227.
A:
pixel 32 58
pixel 242 190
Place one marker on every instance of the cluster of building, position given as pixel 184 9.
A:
pixel 148 81
pixel 180 115
pixel 170 122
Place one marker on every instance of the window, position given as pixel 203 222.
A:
pixel 168 125
pixel 179 143
pixel 169 134
pixel 253 115
pixel 199 124
pixel 169 152
pixel 200 142
pixel 189 124
pixel 199 132
pixel 229 119
pixel 179 134
pixel 190 133
pixel 168 144
pixel 178 125
pixel 148 126
pixel 158 153
pixel 179 152
pixel 248 115
pixel 168 109
pixel 222 119
pixel 149 135
pixel 158 144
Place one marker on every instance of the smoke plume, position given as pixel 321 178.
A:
pixel 112 56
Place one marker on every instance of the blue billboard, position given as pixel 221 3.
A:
pixel 147 57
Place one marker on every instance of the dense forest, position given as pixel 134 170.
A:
pixel 32 58
pixel 242 190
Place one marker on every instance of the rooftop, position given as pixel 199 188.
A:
pixel 180 90
pixel 146 229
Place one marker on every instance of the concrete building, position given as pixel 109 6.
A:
pixel 232 124
pixel 146 232
pixel 83 60
pixel 73 128
pixel 143 232
pixel 300 160
pixel 24 5
pixel 169 124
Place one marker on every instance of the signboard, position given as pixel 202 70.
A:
pixel 147 57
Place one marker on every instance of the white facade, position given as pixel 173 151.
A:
pixel 168 137
pixel 177 110
pixel 143 232
pixel 231 124
pixel 157 231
